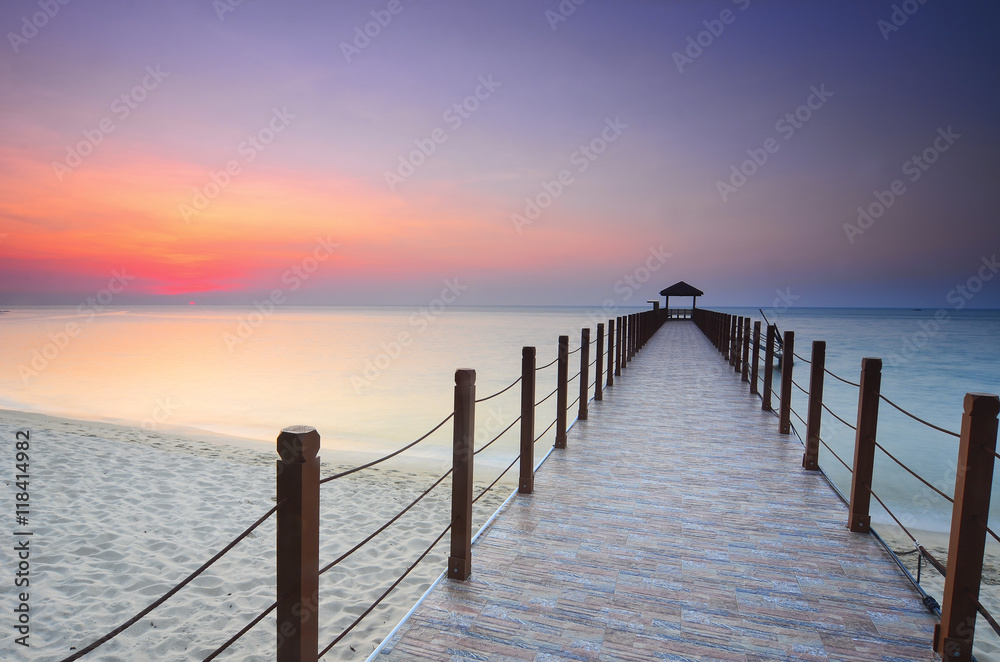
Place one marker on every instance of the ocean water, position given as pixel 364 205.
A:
pixel 372 379
pixel 930 359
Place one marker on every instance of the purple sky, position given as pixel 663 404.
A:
pixel 677 119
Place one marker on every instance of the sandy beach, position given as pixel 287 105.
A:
pixel 987 643
pixel 119 515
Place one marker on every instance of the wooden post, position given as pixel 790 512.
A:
pixel 562 392
pixel 526 484
pixel 737 344
pixel 584 373
pixel 755 369
pixel 297 558
pixel 598 365
pixel 460 561
pixel 618 349
pixel 624 342
pixel 734 337
pixel 785 406
pixel 810 459
pixel 611 352
pixel 746 350
pixel 970 513
pixel 864 445
pixel 768 369
pixel 634 334
pixel 725 336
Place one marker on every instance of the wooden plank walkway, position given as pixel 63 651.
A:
pixel 677 525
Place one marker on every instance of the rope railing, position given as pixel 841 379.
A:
pixel 627 346
pixel 177 587
pixel 547 365
pixel 839 378
pixel 913 473
pixel 554 391
pixel 382 597
pixel 500 392
pixel 390 455
pixel 839 459
pixel 917 418
pixel 572 352
pixel 491 441
pixel 989 617
pixel 830 411
pixel 246 628
pixel 497 479
pixel 977 453
pixel 385 526
pixel 573 404
pixel 535 441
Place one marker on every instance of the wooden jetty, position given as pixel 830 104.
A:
pixel 679 524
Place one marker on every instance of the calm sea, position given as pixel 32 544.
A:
pixel 371 379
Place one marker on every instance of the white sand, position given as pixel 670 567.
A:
pixel 119 515
pixel 987 642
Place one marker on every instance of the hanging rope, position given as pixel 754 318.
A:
pixel 917 418
pixel 390 455
pixel 504 390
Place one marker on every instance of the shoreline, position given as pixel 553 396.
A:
pixel 119 515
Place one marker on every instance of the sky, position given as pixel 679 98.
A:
pixel 522 152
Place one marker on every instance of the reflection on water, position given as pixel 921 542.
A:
pixel 372 378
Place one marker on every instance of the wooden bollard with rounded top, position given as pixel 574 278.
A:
pixel 297 558
pixel 611 352
pixel 746 350
pixel 785 406
pixel 810 458
pixel 562 391
pixel 859 519
pixel 584 373
pixel 599 364
pixel 526 480
pixel 460 560
pixel 755 367
pixel 970 513
pixel 768 369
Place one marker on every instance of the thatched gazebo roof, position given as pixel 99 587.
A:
pixel 681 289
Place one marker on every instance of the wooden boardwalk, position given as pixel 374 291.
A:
pixel 677 525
